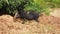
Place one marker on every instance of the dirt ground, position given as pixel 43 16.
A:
pixel 46 25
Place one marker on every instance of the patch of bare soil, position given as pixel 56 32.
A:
pixel 46 25
pixel 55 12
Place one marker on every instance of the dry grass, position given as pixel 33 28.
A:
pixel 46 25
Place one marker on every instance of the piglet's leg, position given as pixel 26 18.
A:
pixel 16 16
